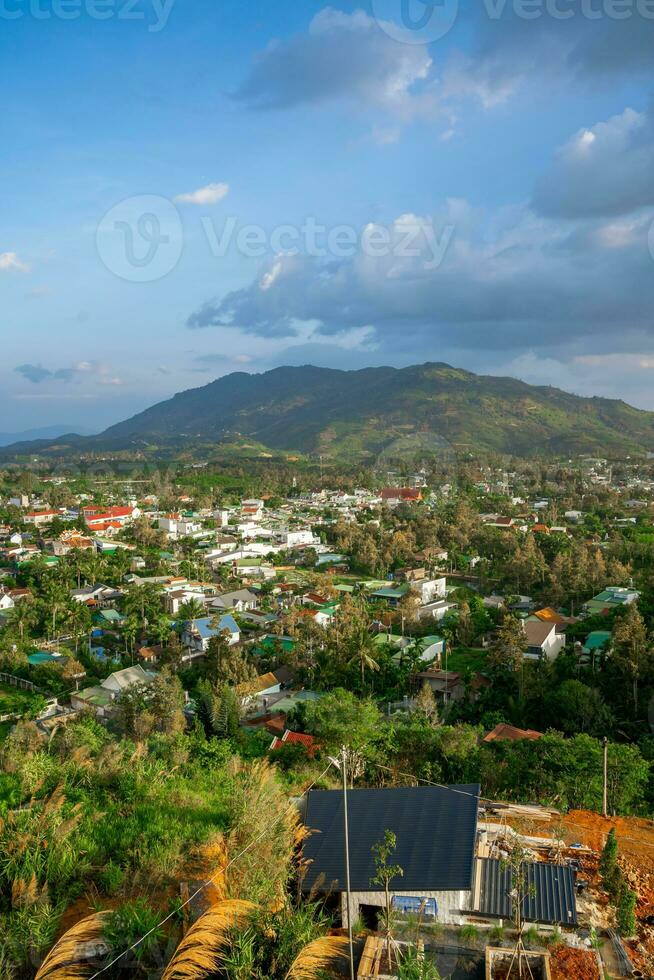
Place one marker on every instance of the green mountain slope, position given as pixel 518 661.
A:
pixel 374 410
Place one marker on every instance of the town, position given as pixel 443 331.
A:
pixel 202 674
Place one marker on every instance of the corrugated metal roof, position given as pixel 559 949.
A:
pixel 550 892
pixel 435 828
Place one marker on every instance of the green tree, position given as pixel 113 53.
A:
pixel 165 702
pixel 227 664
pixel 630 647
pixel 625 913
pixel 385 873
pixel 340 718
pixel 510 644
pixel 609 858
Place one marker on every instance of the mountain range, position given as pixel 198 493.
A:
pixel 375 410
pixel 45 432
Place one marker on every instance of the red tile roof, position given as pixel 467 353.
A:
pixel 508 733
pixel 295 738
pixel 401 493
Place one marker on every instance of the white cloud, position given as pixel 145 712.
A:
pixel 210 194
pixel 9 262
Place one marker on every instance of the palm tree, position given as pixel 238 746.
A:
pixel 161 629
pixel 22 616
pixel 55 596
pixel 193 609
pixel 363 652
pixel 79 620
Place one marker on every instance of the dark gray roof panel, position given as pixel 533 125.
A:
pixel 553 887
pixel 436 831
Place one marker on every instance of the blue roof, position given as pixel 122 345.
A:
pixel 206 631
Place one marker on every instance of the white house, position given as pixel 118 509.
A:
pixel 292 539
pixel 436 610
pixel 543 641
pixel 430 589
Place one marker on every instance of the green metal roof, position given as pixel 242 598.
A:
pixel 597 639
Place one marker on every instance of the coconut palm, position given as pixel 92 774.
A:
pixel 363 651
pixel 22 616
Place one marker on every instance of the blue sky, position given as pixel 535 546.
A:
pixel 484 194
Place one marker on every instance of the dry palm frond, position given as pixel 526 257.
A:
pixel 200 950
pixel 317 957
pixel 69 957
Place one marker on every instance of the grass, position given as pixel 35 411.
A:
pixel 462 659
pixel 13 699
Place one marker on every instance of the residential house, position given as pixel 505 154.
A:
pixel 239 600
pixel 430 590
pixel 97 595
pixel 198 632
pixel 102 698
pixel 265 686
pixel 42 517
pixel 252 509
pixel 446 685
pixel 95 515
pixel 393 496
pixel 6 601
pixel 612 598
pixel 435 829
pixel 295 738
pixel 543 640
pixel 436 610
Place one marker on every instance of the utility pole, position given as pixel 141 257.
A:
pixel 347 859
pixel 605 806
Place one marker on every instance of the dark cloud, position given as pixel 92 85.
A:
pixel 509 281
pixel 555 44
pixel 342 56
pixel 603 171
pixel 34 373
pixel 37 374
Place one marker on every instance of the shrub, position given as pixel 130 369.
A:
pixel 468 934
pixel 130 922
pixel 625 912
